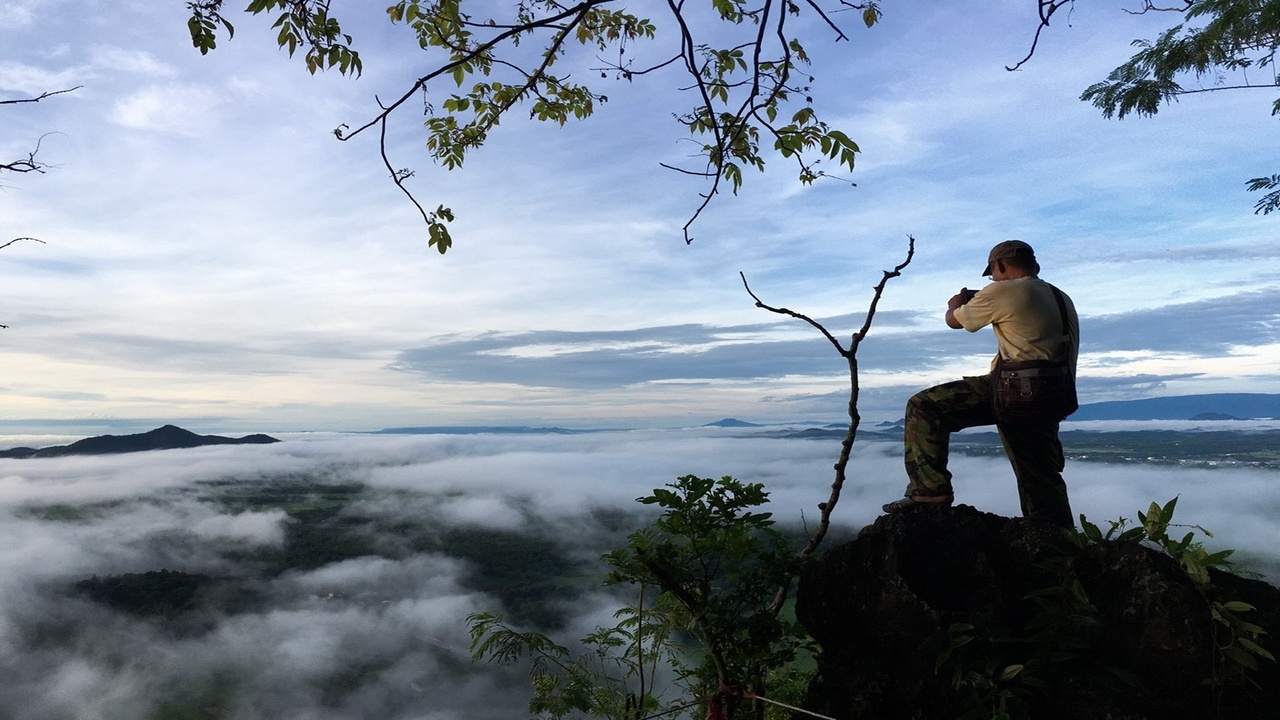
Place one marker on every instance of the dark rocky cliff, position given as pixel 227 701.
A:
pixel 957 613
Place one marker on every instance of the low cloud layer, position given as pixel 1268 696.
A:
pixel 381 633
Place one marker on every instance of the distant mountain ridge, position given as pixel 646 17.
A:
pixel 1214 406
pixel 732 423
pixel 168 437
pixel 478 430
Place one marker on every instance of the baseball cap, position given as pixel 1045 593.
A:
pixel 1008 249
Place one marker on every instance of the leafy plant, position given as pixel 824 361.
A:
pixel 1153 529
pixel 1235 638
pixel 719 564
pixel 612 677
pixel 716 563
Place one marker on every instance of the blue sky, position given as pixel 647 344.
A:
pixel 214 258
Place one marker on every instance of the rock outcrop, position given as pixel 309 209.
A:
pixel 939 613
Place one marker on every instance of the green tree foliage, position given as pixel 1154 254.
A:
pixel 743 64
pixel 1221 45
pixel 156 593
pixel 706 573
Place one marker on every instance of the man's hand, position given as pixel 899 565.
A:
pixel 960 298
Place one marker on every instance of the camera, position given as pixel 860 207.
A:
pixel 968 294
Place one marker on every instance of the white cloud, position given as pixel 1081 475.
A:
pixel 19 14
pixel 186 110
pixel 378 636
pixel 107 58
pixel 31 81
pixel 260 528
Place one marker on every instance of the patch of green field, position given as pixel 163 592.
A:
pixel 66 513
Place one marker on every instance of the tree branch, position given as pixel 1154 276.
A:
pixel 1150 6
pixel 1046 8
pixel 29 163
pixel 6 327
pixel 738 89
pixel 17 239
pixel 846 446
pixel 799 316
pixel 467 57
pixel 40 97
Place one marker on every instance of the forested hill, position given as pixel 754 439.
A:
pixel 168 437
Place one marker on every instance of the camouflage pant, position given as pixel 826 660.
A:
pixel 1032 447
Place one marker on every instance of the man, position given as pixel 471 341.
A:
pixel 1027 319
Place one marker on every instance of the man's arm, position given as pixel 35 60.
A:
pixel 956 301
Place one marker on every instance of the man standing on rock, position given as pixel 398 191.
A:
pixel 1033 321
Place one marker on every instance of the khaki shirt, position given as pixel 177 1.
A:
pixel 1025 317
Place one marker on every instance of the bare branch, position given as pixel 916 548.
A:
pixel 688 51
pixel 398 176
pixel 888 275
pixel 846 446
pixel 626 73
pixel 1047 9
pixel 1245 86
pixel 826 19
pixel 19 239
pixel 1149 6
pixel 40 97
pixel 29 163
pixel 799 316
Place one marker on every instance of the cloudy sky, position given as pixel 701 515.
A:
pixel 214 257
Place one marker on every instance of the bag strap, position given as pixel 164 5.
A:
pixel 1066 323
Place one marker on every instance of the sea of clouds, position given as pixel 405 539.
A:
pixel 386 638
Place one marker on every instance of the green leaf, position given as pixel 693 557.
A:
pixel 439 237
pixel 1247 627
pixel 1091 531
pixel 1132 534
pixel 1197 572
pixel 1240 657
pixel 1255 648
pixel 1010 672
pixel 1218 558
